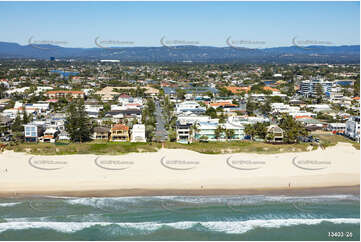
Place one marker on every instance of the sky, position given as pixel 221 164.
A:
pixel 248 24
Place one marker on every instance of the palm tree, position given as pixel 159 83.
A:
pixel 218 132
pixel 250 131
pixel 194 130
pixel 229 133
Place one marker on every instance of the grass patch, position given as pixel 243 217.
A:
pixel 111 148
pixel 114 148
pixel 327 140
pixel 238 147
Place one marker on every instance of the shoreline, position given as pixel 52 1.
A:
pixel 309 191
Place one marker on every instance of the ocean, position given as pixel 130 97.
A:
pixel 246 217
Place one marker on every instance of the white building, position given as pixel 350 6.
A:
pixel 189 106
pixel 309 87
pixel 320 107
pixel 138 133
pixel 353 128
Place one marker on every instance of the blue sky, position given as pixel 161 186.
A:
pixel 208 23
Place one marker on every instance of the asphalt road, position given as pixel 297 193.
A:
pixel 161 134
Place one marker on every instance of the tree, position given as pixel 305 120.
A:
pixel 26 118
pixel 229 133
pixel 149 132
pixel 180 94
pixel 292 129
pixel 260 129
pixel 250 107
pixel 172 135
pixel 17 125
pixel 211 112
pixel 266 108
pixel 77 123
pixel 203 138
pixel 319 92
pixel 218 132
pixel 194 130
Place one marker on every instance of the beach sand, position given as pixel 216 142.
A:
pixel 181 172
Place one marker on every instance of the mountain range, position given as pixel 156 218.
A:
pixel 347 54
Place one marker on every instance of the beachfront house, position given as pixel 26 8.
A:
pixel 101 133
pixel 33 131
pixel 184 131
pixel 353 128
pixel 138 133
pixel 119 133
pixel 50 135
pixel 274 134
pixel 206 130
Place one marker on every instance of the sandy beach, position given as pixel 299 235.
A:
pixel 175 171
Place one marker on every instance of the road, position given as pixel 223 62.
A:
pixel 161 133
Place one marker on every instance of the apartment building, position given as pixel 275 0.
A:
pixel 65 94
pixel 309 87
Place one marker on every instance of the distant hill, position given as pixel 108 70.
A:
pixel 204 54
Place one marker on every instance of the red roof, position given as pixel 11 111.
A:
pixel 223 104
pixel 120 127
pixel 124 96
pixel 356 98
pixel 303 116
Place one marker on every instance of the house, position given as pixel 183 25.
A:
pixel 50 135
pixel 124 98
pixel 119 132
pixel 336 127
pixel 206 129
pixel 33 131
pixel 184 131
pixel 100 133
pixel 274 134
pixel 138 133
pixel 310 123
pixel 189 106
pixel 353 128
pixel 5 122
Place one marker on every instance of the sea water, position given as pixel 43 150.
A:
pixel 249 217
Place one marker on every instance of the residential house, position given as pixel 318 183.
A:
pixel 336 127
pixel 33 131
pixel 138 133
pixel 119 132
pixel 353 128
pixel 274 134
pixel 190 106
pixel 184 131
pixel 100 133
pixel 50 135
